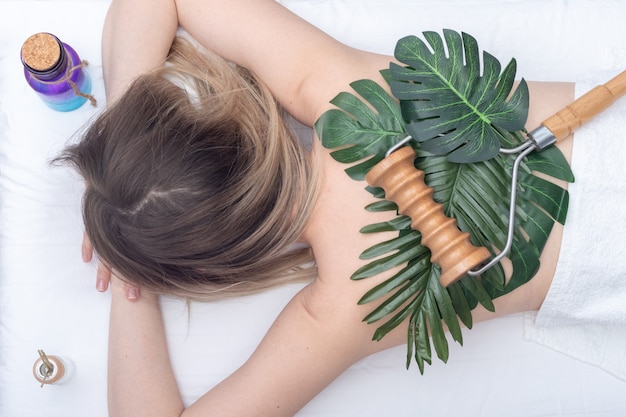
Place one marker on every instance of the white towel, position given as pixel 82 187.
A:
pixel 584 314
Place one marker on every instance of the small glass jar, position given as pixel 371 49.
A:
pixel 54 70
pixel 53 370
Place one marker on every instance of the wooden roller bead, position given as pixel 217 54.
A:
pixel 404 184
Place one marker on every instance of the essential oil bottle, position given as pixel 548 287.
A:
pixel 51 369
pixel 54 70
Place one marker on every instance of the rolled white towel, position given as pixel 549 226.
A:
pixel 584 314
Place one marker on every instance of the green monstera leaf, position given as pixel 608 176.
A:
pixel 451 106
pixel 368 132
pixel 470 180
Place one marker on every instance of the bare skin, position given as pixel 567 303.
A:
pixel 335 336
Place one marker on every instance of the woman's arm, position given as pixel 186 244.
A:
pixel 304 351
pixel 136 38
pixel 140 377
pixel 303 67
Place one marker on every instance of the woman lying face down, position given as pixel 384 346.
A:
pixel 197 188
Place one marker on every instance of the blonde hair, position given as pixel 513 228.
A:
pixel 196 186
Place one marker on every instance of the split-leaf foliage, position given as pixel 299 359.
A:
pixel 460 110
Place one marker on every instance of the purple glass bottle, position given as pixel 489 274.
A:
pixel 54 70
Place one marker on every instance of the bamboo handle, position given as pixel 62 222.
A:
pixel 566 121
pixel 404 184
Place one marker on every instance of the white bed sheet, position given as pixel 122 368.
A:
pixel 47 296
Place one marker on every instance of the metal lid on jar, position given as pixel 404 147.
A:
pixel 42 53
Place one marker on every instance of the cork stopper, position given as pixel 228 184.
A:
pixel 41 52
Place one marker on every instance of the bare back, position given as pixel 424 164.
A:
pixel 334 235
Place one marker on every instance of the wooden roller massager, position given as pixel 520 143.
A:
pixel 450 248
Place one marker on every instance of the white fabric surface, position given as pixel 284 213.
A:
pixel 584 314
pixel 47 296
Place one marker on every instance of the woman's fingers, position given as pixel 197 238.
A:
pixel 86 248
pixel 103 274
pixel 103 277
pixel 132 293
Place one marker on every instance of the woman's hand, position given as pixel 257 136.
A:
pixel 103 274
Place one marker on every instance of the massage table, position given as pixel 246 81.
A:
pixel 47 294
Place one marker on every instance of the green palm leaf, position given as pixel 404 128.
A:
pixel 456 115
